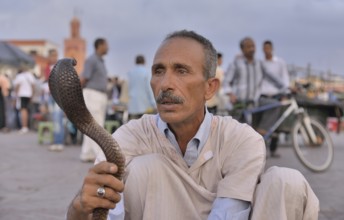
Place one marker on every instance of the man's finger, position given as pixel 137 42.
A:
pixel 111 182
pixel 104 168
pixel 109 194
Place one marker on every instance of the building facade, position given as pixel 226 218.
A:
pixel 39 50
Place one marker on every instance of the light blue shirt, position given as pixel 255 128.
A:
pixel 223 208
pixel 141 96
pixel 196 144
pixel 277 68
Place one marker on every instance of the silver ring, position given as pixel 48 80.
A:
pixel 101 192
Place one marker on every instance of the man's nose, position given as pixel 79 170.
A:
pixel 167 81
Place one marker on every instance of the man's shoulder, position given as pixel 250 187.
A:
pixel 92 58
pixel 18 76
pixel 278 59
pixel 226 122
pixel 142 130
pixel 238 59
pixel 147 121
pixel 141 69
pixel 231 127
pixel 24 76
pixel 138 73
pixel 30 76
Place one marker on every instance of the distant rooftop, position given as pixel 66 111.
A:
pixel 30 42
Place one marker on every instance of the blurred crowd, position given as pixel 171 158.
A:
pixel 25 100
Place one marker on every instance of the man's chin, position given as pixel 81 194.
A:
pixel 168 117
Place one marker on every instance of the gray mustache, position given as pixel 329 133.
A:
pixel 168 96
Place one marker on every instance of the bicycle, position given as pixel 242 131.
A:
pixel 311 141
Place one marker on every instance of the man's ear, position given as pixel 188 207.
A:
pixel 213 85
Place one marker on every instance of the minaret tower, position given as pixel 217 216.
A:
pixel 75 46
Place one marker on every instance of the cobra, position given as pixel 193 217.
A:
pixel 65 87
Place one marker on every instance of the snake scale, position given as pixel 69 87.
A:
pixel 65 87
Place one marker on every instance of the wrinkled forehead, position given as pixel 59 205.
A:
pixel 179 49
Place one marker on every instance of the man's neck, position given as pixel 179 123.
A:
pixel 185 132
pixel 99 54
pixel 249 59
pixel 268 57
pixel 183 135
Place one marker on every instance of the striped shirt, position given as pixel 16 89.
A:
pixel 243 79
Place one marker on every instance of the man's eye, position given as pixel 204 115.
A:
pixel 182 71
pixel 158 71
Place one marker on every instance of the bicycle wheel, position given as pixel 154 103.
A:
pixel 315 156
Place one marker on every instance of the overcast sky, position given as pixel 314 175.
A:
pixel 303 31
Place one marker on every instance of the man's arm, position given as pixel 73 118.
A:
pixel 16 90
pixel 101 175
pixel 241 169
pixel 87 72
pixel 33 82
pixel 228 80
pixel 272 78
pixel 285 75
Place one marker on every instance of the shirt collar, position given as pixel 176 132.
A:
pixel 99 57
pixel 242 58
pixel 273 59
pixel 201 135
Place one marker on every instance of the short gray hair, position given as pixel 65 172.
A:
pixel 210 54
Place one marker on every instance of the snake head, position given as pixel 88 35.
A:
pixel 65 87
pixel 73 60
pixel 66 62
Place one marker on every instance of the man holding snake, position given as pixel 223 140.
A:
pixel 184 162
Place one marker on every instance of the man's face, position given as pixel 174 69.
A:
pixel 267 48
pixel 178 83
pixel 248 49
pixel 104 48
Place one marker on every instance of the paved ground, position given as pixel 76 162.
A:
pixel 328 186
pixel 37 184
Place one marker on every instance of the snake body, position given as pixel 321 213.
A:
pixel 65 87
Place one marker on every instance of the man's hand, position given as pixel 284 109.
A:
pixel 101 175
